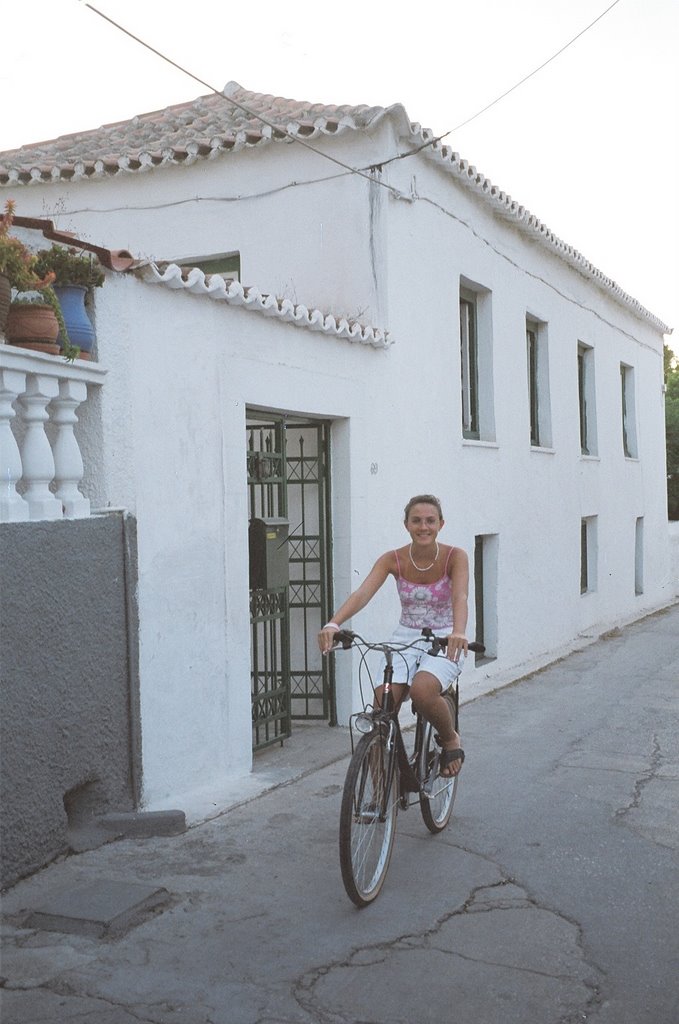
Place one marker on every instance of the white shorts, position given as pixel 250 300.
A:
pixel 416 659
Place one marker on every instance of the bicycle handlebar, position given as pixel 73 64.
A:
pixel 345 638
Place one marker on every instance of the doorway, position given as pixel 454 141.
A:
pixel 288 474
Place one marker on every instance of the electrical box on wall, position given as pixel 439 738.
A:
pixel 269 565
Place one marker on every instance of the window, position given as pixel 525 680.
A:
pixel 588 555
pixel 538 384
pixel 226 264
pixel 469 352
pixel 478 416
pixel 485 593
pixel 586 400
pixel 639 556
pixel 629 432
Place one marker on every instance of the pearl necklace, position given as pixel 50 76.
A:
pixel 427 567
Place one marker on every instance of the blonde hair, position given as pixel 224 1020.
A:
pixel 422 499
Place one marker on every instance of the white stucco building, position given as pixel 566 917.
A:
pixel 417 329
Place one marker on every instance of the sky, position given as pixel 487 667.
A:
pixel 590 143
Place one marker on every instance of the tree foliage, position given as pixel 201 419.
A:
pixel 672 431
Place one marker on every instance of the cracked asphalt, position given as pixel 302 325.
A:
pixel 553 897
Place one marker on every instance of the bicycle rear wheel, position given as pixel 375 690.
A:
pixel 367 820
pixel 437 794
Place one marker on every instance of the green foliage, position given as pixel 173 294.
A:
pixel 672 432
pixel 17 263
pixel 70 266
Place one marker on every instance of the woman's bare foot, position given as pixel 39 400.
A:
pixel 452 758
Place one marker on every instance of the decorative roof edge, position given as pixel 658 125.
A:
pixel 333 125
pixel 214 286
pixel 88 169
pixel 527 222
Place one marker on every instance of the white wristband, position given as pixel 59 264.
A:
pixel 330 625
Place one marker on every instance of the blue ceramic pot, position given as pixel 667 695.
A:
pixel 78 324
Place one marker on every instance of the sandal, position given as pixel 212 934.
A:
pixel 446 757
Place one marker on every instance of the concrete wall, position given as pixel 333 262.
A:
pixel 69 707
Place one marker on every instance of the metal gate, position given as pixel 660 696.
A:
pixel 288 478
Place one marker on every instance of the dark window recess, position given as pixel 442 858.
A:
pixel 469 353
pixel 532 343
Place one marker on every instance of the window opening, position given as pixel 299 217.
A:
pixel 586 400
pixel 485 594
pixel 470 368
pixel 532 344
pixel 225 264
pixel 588 555
pixel 629 441
pixel 639 556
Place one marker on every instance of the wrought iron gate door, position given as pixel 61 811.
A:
pixel 288 478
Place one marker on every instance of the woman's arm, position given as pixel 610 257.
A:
pixel 359 599
pixel 459 580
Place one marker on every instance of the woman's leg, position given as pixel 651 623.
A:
pixel 399 691
pixel 426 695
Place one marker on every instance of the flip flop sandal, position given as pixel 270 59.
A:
pixel 446 757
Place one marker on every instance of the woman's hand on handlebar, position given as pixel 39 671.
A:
pixel 457 645
pixel 327 637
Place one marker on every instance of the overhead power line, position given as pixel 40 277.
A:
pixel 507 92
pixel 544 64
pixel 235 103
pixel 327 156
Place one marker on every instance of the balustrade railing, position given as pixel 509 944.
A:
pixel 41 465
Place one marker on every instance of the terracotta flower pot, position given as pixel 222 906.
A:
pixel 33 326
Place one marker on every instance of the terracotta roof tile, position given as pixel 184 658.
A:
pixel 216 124
pixel 199 128
pixel 193 281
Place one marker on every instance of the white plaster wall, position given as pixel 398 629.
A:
pixel 182 370
pixel 298 221
pixel 184 384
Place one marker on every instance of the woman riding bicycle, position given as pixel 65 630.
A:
pixel 432 580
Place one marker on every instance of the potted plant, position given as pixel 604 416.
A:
pixel 75 272
pixel 18 266
pixel 15 263
pixel 32 323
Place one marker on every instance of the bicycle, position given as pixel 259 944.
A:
pixel 383 778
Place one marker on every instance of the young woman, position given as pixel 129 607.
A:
pixel 432 580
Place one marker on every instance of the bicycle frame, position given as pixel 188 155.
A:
pixel 381 776
pixel 386 717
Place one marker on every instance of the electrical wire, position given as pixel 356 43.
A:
pixel 558 53
pixel 353 170
pixel 507 92
pixel 327 156
pixel 241 106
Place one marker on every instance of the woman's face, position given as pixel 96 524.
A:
pixel 423 524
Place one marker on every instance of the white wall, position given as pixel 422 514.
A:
pixel 183 368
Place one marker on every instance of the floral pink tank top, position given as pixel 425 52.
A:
pixel 426 604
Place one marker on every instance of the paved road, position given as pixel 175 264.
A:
pixel 553 898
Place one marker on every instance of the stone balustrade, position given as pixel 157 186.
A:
pixel 41 465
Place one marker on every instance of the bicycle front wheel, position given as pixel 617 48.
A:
pixel 367 820
pixel 438 792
